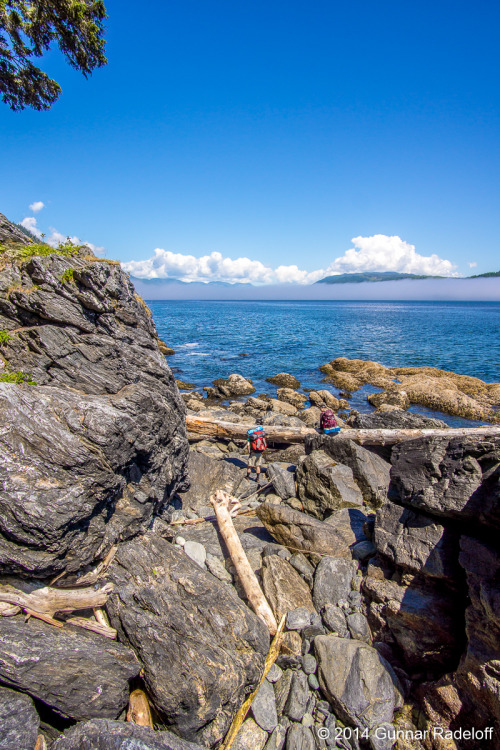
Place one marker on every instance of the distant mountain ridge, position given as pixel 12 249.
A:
pixel 358 278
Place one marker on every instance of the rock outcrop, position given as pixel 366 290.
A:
pixel 98 445
pixel 200 647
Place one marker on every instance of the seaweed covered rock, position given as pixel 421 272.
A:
pixel 201 648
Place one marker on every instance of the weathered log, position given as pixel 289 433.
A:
pixel 230 430
pixel 278 434
pixel 225 506
pixel 45 602
pixel 271 657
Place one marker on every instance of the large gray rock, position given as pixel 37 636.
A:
pixel 102 734
pixel 393 420
pixel 206 475
pixel 19 720
pixel 416 542
pixel 80 472
pixel 91 452
pixel 426 621
pixel 78 673
pixel 250 737
pixel 299 531
pixel 451 478
pixel 284 588
pixel 283 479
pixel 478 673
pixel 370 471
pixel 357 681
pixel 325 485
pixel 332 581
pixel 298 697
pixel 201 648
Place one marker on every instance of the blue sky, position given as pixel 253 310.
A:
pixel 256 141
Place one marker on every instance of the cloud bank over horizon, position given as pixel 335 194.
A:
pixel 379 252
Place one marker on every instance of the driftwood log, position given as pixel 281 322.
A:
pixel 225 506
pixel 278 434
pixel 43 603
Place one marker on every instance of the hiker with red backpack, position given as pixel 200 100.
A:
pixel 256 440
pixel 327 422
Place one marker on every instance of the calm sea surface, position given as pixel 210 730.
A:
pixel 297 337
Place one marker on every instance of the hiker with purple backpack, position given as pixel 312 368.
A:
pixel 327 422
pixel 256 441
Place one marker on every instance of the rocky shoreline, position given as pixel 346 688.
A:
pixel 384 561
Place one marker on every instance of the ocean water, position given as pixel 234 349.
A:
pixel 258 339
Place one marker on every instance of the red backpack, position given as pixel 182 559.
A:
pixel 257 439
pixel 327 421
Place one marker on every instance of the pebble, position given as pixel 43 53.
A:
pixel 363 550
pixel 309 664
pixel 180 541
pixel 358 627
pixel 355 598
pixel 196 552
pixel 312 681
pixel 297 619
pixel 307 720
pixel 217 569
pixel 274 673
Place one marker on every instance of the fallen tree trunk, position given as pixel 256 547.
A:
pixel 229 430
pixel 225 507
pixel 46 601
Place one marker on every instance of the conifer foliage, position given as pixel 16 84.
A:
pixel 27 29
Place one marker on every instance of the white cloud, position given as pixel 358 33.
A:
pixel 383 253
pixel 377 253
pixel 29 223
pixel 472 265
pixel 215 267
pixel 36 206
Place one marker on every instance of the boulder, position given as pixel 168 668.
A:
pixel 456 478
pixel 206 475
pixel 299 531
pixel 298 697
pixel 19 721
pixel 76 672
pixel 102 734
pixel 478 675
pixel 284 588
pixel 284 380
pixel 393 420
pixel 282 407
pixel 424 619
pixel 298 400
pixel 415 542
pixel 358 682
pixel 324 398
pixel 202 650
pixel 392 397
pixel 324 485
pixel 311 416
pixel 283 478
pixel 80 472
pixel 369 470
pixel 332 582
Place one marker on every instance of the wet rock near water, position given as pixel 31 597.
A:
pixel 284 380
